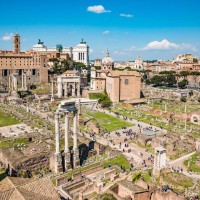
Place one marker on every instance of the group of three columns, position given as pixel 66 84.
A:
pixel 67 154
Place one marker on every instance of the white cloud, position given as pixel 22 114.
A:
pixel 118 53
pixel 166 45
pixel 132 48
pixel 126 15
pixel 162 45
pixel 91 51
pixel 97 9
pixel 106 32
pixel 185 46
pixel 7 37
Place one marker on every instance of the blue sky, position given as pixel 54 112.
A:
pixel 154 29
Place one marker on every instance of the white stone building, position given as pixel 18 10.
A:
pixel 79 53
pixel 138 63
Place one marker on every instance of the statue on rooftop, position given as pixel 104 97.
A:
pixel 40 42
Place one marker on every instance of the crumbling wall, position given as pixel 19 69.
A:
pixel 33 164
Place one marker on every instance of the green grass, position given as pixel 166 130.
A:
pixel 172 106
pixel 13 143
pixel 7 119
pixel 179 181
pixel 145 175
pixel 96 95
pixel 82 169
pixel 193 166
pixel 108 122
pixel 119 161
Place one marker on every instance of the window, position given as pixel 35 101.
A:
pixel 126 81
pixel 33 72
pixel 5 72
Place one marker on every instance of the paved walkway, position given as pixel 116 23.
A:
pixel 179 163
pixel 181 159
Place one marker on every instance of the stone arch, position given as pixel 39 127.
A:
pixel 148 141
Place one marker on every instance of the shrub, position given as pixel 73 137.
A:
pixel 183 99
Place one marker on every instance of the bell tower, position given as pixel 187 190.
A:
pixel 16 43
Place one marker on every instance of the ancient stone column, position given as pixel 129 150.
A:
pixel 52 93
pixel 12 83
pixel 73 90
pixel 22 79
pixel 58 158
pixel 25 82
pixel 75 140
pixel 15 82
pixel 59 88
pixel 65 90
pixel 159 161
pixel 67 151
pixel 9 82
pixel 79 107
pixel 78 90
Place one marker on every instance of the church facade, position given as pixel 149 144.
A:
pixel 121 86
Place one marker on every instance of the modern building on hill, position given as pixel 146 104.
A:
pixel 25 67
pixel 79 53
pixel 185 58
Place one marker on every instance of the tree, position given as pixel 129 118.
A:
pixel 105 101
pixel 167 72
pixel 184 73
pixel 147 81
pixel 53 60
pixel 97 67
pixel 80 65
pixel 171 80
pixel 182 84
pixel 195 60
pixel 128 68
pixel 157 80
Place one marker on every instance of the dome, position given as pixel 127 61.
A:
pixel 82 44
pixel 107 59
pixel 38 46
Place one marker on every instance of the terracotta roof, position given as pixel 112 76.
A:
pixel 27 189
pixel 123 73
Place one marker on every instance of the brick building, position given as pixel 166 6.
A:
pixel 123 85
pixel 119 85
pixel 32 65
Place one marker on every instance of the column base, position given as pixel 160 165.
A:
pixel 156 173
pixel 76 158
pixel 52 99
pixel 67 161
pixel 58 163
